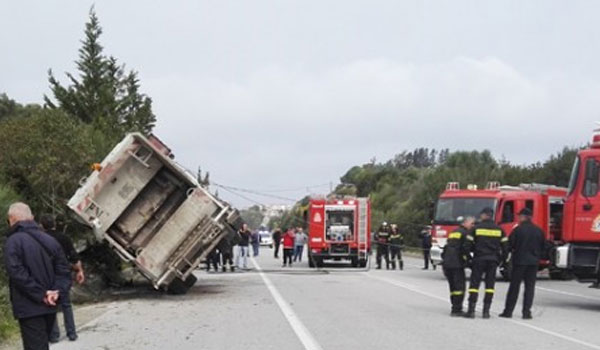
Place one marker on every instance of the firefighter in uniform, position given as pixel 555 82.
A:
pixel 382 238
pixel 454 259
pixel 396 243
pixel 527 243
pixel 489 245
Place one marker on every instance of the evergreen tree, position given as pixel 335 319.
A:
pixel 102 94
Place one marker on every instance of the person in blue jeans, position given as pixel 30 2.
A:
pixel 50 225
pixel 299 243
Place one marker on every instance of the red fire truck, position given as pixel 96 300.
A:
pixel 580 252
pixel 339 229
pixel 545 201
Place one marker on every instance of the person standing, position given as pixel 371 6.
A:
pixel 299 242
pixel 50 225
pixel 454 258
pixel 39 275
pixel 426 247
pixel 276 242
pixel 226 251
pixel 213 259
pixel 527 243
pixel 255 243
pixel 396 243
pixel 382 238
pixel 288 247
pixel 243 250
pixel 489 245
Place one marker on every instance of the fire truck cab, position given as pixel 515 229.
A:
pixel 339 229
pixel 545 201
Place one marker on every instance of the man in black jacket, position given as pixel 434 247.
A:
pixel 50 225
pixel 489 245
pixel 454 259
pixel 527 243
pixel 276 242
pixel 426 244
pixel 38 275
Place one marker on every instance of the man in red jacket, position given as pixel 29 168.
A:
pixel 288 247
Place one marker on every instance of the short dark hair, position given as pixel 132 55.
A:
pixel 47 221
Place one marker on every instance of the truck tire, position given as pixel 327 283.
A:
pixel 180 287
pixel 560 275
pixel 311 261
pixel 319 261
pixel 354 261
pixel 362 263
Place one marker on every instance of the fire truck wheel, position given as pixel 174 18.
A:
pixel 560 275
pixel 362 263
pixel 354 261
pixel 311 261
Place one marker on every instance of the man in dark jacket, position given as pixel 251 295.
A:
pixel 489 245
pixel 527 243
pixel 49 224
pixel 382 238
pixel 276 242
pixel 396 243
pixel 39 275
pixel 426 246
pixel 454 259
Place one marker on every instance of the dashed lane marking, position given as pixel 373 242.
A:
pixel 303 334
pixel 523 324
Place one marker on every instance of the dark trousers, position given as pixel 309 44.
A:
pixel 69 319
pixel 227 258
pixel 212 259
pixel 383 252
pixel 276 249
pixel 255 248
pixel 396 254
pixel 426 257
pixel 298 250
pixel 35 331
pixel 288 253
pixel 456 282
pixel 521 273
pixel 481 268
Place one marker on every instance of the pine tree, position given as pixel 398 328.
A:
pixel 102 94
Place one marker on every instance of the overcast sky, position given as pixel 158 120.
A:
pixel 277 95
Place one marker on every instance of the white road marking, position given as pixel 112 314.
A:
pixel 527 325
pixel 581 296
pixel 309 342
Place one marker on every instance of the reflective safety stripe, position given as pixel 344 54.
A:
pixel 457 292
pixel 470 238
pixel 473 290
pixel 504 239
pixel 455 235
pixel 488 233
pixel 491 291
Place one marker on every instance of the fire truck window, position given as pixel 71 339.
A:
pixel 340 225
pixel 590 186
pixel 508 211
pixel 529 205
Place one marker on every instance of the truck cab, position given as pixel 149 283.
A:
pixel 580 252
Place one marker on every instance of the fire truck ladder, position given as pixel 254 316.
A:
pixel 362 228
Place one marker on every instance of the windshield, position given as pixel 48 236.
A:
pixel 574 175
pixel 449 209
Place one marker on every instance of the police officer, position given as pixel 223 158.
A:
pixel 382 238
pixel 396 243
pixel 527 243
pixel 489 245
pixel 454 259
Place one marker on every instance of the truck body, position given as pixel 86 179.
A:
pixel 339 229
pixel 545 201
pixel 580 251
pixel 153 212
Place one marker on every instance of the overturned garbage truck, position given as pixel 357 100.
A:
pixel 153 212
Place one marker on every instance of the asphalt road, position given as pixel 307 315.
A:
pixel 336 308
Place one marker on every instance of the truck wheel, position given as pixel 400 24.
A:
pixel 362 263
pixel 319 261
pixel 311 261
pixel 354 261
pixel 180 287
pixel 560 275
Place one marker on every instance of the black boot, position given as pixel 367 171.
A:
pixel 393 265
pixel 486 310
pixel 401 263
pixel 471 312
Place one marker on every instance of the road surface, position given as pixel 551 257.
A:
pixel 298 308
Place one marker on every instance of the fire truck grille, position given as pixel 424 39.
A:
pixel 340 248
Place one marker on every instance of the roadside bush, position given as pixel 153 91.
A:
pixel 8 326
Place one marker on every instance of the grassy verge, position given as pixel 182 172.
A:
pixel 8 326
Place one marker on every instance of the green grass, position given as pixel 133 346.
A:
pixel 8 325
